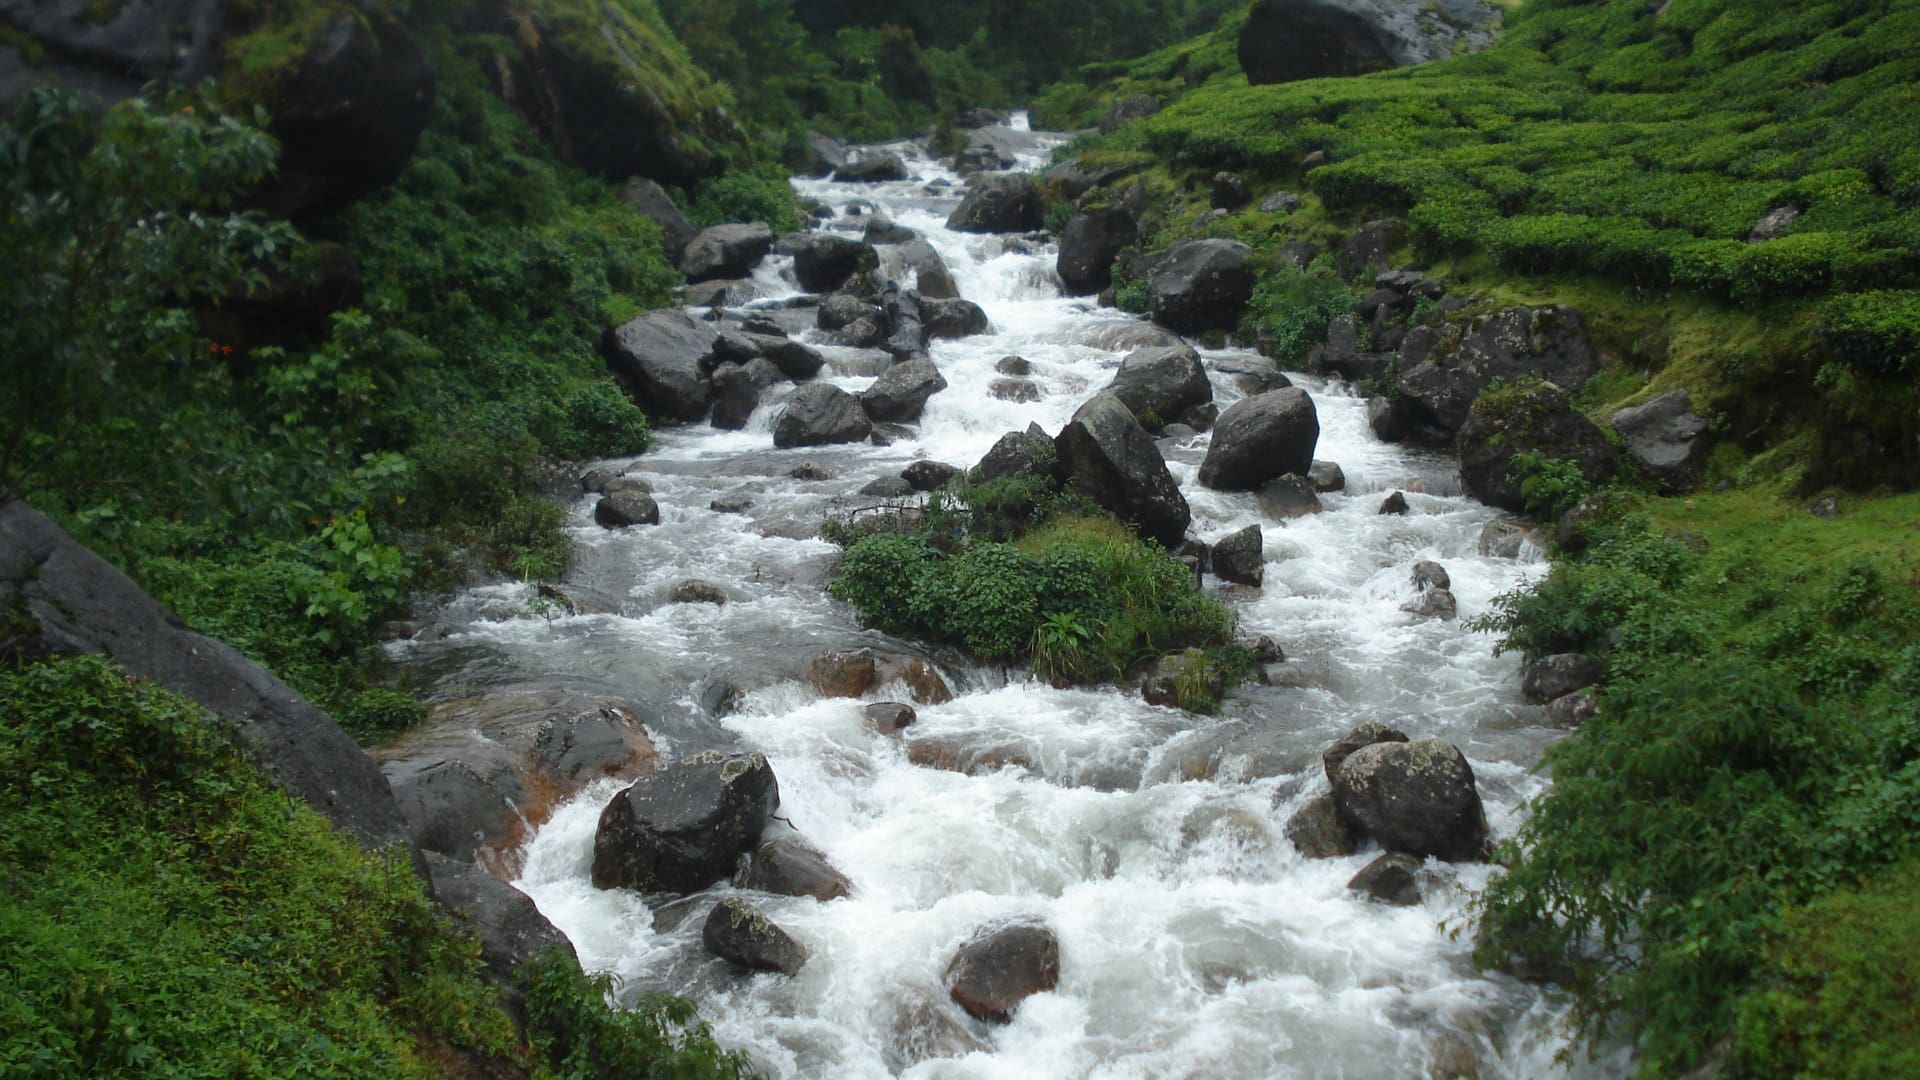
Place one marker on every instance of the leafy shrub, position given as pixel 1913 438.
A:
pixel 1292 307
pixel 1549 486
pixel 582 1038
pixel 1877 330
pixel 742 196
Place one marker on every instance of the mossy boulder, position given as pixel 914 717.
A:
pixel 1413 797
pixel 1445 367
pixel 1532 417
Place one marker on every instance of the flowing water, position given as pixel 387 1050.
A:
pixel 1195 941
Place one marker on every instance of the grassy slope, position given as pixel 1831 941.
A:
pixel 1727 850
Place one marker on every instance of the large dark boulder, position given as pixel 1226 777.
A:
pixel 620 509
pixel 1158 385
pixel 999 203
pixel 824 261
pixel 1001 966
pixel 1391 879
pixel 902 391
pixel 1200 285
pixel 1554 677
pixel 1367 249
pixel 1092 241
pixel 1286 40
pixel 1444 368
pixel 1319 832
pixel 1665 439
pixel 651 201
pixel 931 277
pixel 992 147
pixel 663 359
pixel 504 920
pixel 821 155
pixel 737 932
pixel 872 169
pixel 1528 417
pixel 951 318
pixel 1260 438
pixel 820 414
pixel 1414 797
pixel 71 602
pixel 736 393
pixel 726 251
pixel 1106 453
pixel 683 828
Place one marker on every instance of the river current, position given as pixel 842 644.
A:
pixel 1195 941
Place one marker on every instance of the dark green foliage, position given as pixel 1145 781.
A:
pixel 1291 308
pixel 581 1038
pixel 1879 331
pixel 742 195
pixel 1011 576
pixel 1549 486
pixel 1755 749
pixel 168 914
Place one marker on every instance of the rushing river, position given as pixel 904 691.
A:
pixel 1195 941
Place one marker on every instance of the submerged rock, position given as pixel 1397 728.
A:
pixel 1001 966
pixel 736 931
pixel 1390 879
pixel 789 866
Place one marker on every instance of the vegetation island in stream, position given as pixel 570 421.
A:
pixel 315 311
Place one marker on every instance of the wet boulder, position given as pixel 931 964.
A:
pixel 1287 40
pixel 851 673
pixel 1093 239
pixel 888 487
pixel 1665 439
pixel 1238 557
pixel 900 393
pixel 736 393
pixel 1318 831
pixel 889 717
pixel 1554 677
pixel 1327 477
pixel 786 865
pixel 1017 453
pixel 872 169
pixel 947 319
pixel 822 262
pixel 737 932
pixel 651 201
pixel 696 591
pixel 1016 390
pixel 1073 178
pixel 1159 385
pixel 931 277
pixel 1365 735
pixel 1434 604
pixel 1395 505
pixel 1390 879
pixel 1105 452
pixel 504 920
pixel 1260 438
pixel 842 310
pixel 821 414
pixel 1200 285
pixel 1001 966
pixel 624 508
pixel 1445 367
pixel 726 251
pixel 1415 797
pixel 881 229
pixel 928 475
pixel 662 358
pixel 1428 574
pixel 1527 417
pixel 999 203
pixel 684 828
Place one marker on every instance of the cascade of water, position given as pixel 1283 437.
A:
pixel 1195 940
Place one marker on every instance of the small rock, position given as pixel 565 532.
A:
pixel 1228 191
pixel 1430 575
pixel 1238 557
pixel 928 475
pixel 1327 477
pixel 807 470
pixel 737 932
pixel 1395 503
pixel 731 504
pixel 1571 711
pixel 1013 365
pixel 1318 832
pixel 696 591
pixel 625 508
pixel 1267 651
pixel 1290 496
pixel 789 866
pixel 1828 507
pixel 1390 879
pixel 1280 202
pixel 1015 390
pixel 1502 538
pixel 1774 225
pixel 888 487
pixel 1434 604
pixel 888 717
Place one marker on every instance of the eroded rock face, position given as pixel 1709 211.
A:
pixel 1444 368
pixel 651 201
pixel 737 932
pixel 1200 285
pixel 503 919
pixel 1159 385
pixel 683 828
pixel 1285 40
pixel 1533 418
pixel 1113 460
pixel 1414 797
pixel 1000 967
pixel 1666 439
pixel 1260 438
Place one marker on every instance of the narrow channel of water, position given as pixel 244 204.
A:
pixel 1195 941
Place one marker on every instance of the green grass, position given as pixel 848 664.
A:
pixel 1757 749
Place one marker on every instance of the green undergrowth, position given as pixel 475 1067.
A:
pixel 1756 755
pixel 167 913
pixel 1012 574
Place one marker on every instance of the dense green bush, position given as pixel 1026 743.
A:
pixel 1877 330
pixel 1291 308
pixel 747 196
pixel 1757 746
